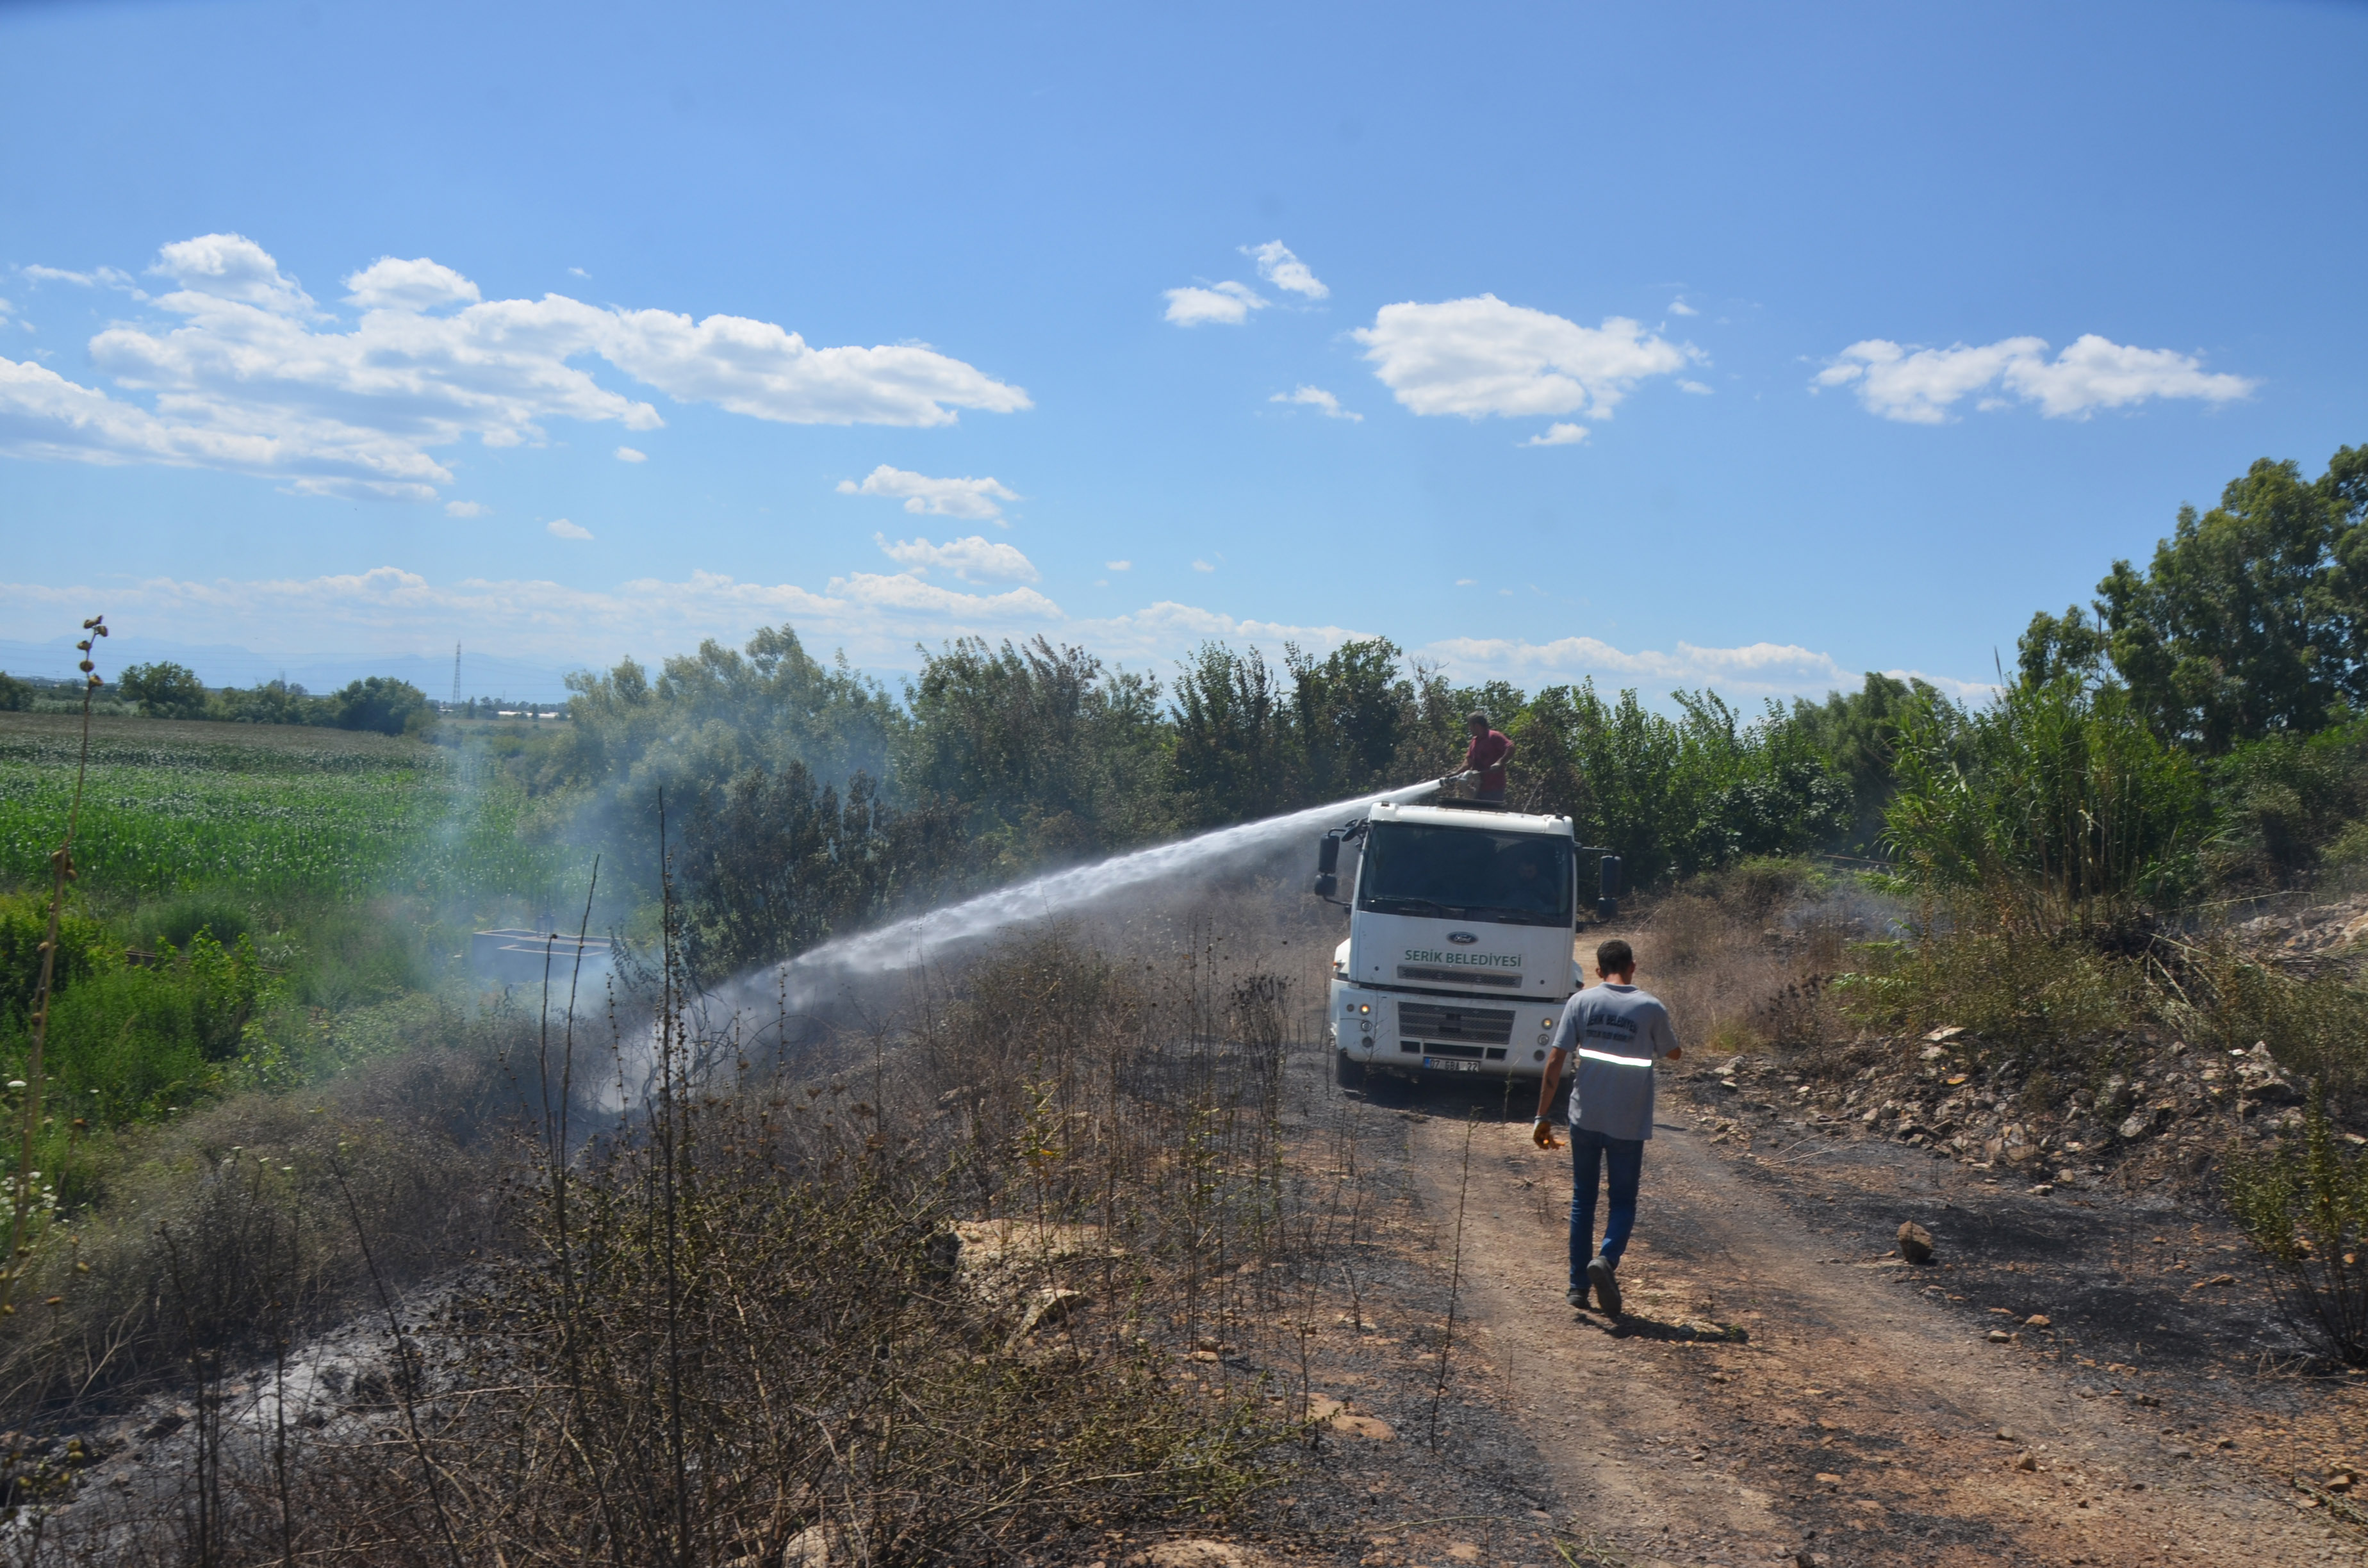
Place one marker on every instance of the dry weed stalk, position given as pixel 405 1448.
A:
pixel 62 871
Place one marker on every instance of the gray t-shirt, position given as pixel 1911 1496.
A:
pixel 1615 1034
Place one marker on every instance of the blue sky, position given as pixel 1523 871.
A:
pixel 1740 346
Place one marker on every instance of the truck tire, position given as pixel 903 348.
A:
pixel 1347 1071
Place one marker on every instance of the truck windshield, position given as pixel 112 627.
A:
pixel 1466 873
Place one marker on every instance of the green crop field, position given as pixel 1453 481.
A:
pixel 262 811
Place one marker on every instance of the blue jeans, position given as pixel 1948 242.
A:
pixel 1622 1159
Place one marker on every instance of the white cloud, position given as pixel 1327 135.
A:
pixel 233 269
pixel 875 617
pixel 1697 388
pixel 1467 581
pixel 1286 272
pixel 1677 307
pixel 629 455
pixel 1919 386
pixel 1118 565
pixel 1754 670
pixel 1170 630
pixel 560 527
pixel 971 498
pixel 389 284
pixel 1202 566
pixel 1317 398
pixel 246 384
pixel 1226 305
pixel 1481 357
pixel 465 509
pixel 1559 435
pixel 95 276
pixel 579 272
pixel 973 559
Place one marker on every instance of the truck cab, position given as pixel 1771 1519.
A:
pixel 1459 955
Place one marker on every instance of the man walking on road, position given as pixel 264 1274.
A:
pixel 1617 1032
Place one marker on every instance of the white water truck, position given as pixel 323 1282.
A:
pixel 1459 957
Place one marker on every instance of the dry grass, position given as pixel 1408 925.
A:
pixel 1741 977
pixel 740 1320
pixel 230 1224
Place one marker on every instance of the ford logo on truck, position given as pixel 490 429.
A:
pixel 1462 938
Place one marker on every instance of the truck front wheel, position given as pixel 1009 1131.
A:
pixel 1347 1071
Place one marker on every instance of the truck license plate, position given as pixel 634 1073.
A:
pixel 1449 1064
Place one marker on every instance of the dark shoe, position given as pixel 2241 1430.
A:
pixel 1577 1297
pixel 1607 1289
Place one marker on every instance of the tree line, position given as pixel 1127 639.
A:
pixel 2199 724
pixel 168 690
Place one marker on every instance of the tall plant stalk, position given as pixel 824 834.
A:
pixel 62 871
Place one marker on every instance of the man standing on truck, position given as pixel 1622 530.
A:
pixel 1617 1031
pixel 1487 757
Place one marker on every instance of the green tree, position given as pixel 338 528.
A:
pixel 2052 645
pixel 774 862
pixel 163 691
pixel 16 695
pixel 383 704
pixel 776 701
pixel 1351 712
pixel 1855 732
pixel 1232 757
pixel 1677 795
pixel 270 702
pixel 2249 620
pixel 1050 755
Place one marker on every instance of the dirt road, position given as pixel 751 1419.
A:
pixel 1776 1390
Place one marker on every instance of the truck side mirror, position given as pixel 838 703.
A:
pixel 1326 885
pixel 1328 866
pixel 1606 888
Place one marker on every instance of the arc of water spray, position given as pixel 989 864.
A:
pixel 795 985
pixel 909 943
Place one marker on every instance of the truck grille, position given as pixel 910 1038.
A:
pixel 1479 1026
pixel 1458 976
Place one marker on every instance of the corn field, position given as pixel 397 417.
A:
pixel 340 817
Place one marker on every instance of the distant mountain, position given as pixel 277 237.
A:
pixel 482 675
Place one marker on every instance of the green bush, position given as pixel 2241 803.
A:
pixel 2305 1208
pixel 2057 796
pixel 82 946
pixel 175 922
pixel 2285 803
pixel 127 1043
pixel 2024 989
pixel 2313 1024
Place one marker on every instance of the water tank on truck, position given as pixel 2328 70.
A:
pixel 1459 954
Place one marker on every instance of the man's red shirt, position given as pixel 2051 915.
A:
pixel 1487 756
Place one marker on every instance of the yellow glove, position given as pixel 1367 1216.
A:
pixel 1541 1134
